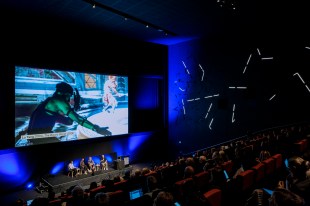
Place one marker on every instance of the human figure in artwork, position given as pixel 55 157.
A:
pixel 109 93
pixel 57 109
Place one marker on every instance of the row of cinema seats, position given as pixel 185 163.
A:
pixel 235 189
pixel 264 174
pixel 119 196
pixel 201 181
pixel 244 183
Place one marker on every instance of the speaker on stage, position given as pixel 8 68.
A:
pixel 119 164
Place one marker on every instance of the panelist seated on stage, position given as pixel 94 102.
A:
pixel 91 165
pixel 72 169
pixel 83 166
pixel 103 163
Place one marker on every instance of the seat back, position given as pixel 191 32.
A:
pixel 214 197
pixel 259 170
pixel 245 180
pixel 179 187
pixel 300 146
pixel 117 198
pixel 228 166
pixel 55 202
pixel 94 191
pixel 202 180
pixel 269 166
pixel 122 185
pixel 278 161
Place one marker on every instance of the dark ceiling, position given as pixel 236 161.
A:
pixel 172 21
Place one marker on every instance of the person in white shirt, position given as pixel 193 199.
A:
pixel 72 169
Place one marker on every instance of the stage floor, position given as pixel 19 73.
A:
pixel 63 182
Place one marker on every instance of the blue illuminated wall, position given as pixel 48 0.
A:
pixel 15 170
pixel 223 88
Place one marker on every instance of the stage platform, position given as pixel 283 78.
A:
pixel 62 182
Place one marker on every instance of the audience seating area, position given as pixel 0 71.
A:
pixel 210 182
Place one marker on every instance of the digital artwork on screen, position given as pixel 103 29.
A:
pixel 58 106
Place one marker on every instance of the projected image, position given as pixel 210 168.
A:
pixel 58 106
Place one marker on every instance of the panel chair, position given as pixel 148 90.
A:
pixel 70 173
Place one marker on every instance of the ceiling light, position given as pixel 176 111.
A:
pixel 128 16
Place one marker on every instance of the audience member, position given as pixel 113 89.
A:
pixel 102 199
pixel 145 170
pixel 164 199
pixel 109 185
pixel 117 179
pixel 280 196
pixel 192 196
pixel 152 187
pixel 136 179
pixel 263 155
pixel 202 160
pixel 127 175
pixel 51 195
pixel 189 171
pixel 284 197
pixel 78 198
pixel 218 178
pixel 258 198
pixel 298 180
pixel 92 185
